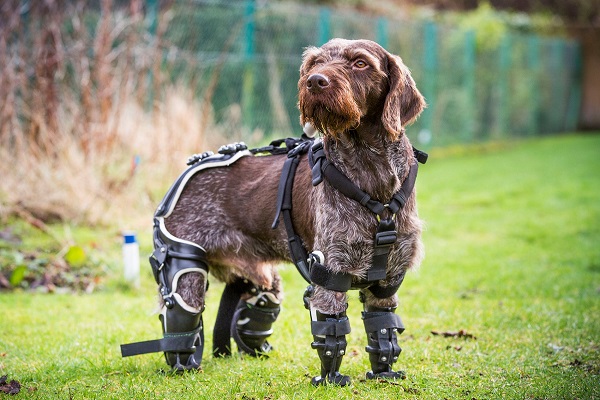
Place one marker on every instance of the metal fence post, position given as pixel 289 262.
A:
pixel 324 28
pixel 248 114
pixel 469 82
pixel 152 23
pixel 430 61
pixel 574 100
pixel 381 33
pixel 559 90
pixel 503 122
pixel 533 63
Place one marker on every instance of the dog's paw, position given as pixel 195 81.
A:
pixel 332 379
pixel 386 375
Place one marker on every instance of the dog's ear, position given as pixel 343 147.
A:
pixel 404 102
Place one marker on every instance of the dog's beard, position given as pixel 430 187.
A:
pixel 331 112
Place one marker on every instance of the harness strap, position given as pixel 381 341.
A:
pixel 298 252
pixel 384 239
pixel 322 168
pixel 386 235
pixel 401 196
pixel 320 275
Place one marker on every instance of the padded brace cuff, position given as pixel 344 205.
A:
pixel 330 327
pixel 385 320
pixel 252 323
pixel 339 282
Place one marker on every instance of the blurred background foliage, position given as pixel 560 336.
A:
pixel 105 99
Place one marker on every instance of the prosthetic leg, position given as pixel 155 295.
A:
pixel 382 325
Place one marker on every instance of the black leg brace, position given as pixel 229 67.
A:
pixel 180 323
pixel 382 326
pixel 252 321
pixel 329 334
pixel 183 335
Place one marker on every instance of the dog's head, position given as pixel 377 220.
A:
pixel 345 82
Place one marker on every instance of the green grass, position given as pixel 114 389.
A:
pixel 513 257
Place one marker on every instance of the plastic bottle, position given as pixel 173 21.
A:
pixel 131 259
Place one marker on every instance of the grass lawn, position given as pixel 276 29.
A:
pixel 513 258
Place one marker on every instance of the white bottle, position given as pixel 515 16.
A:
pixel 131 259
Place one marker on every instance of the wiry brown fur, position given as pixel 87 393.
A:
pixel 362 112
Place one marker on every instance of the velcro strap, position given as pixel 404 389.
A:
pixel 262 314
pixel 387 320
pixel 174 342
pixel 339 282
pixel 255 334
pixel 378 269
pixel 331 327
pixel 382 292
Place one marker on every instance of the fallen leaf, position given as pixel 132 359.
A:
pixel 460 334
pixel 18 275
pixel 76 256
pixel 13 387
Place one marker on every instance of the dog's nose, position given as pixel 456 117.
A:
pixel 316 83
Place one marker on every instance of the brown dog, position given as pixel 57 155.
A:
pixel 360 97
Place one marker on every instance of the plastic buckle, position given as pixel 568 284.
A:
pixel 318 145
pixel 317 176
pixel 386 238
pixel 299 149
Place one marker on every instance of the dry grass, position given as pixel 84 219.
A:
pixel 80 138
pixel 71 184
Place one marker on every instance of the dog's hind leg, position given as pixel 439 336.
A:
pixel 247 314
pixel 256 311
pixel 382 326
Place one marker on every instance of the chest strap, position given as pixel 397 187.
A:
pixel 385 236
pixel 309 265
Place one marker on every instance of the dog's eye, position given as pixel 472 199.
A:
pixel 360 64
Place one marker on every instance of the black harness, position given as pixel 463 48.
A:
pixel 309 265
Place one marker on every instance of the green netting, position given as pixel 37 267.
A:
pixel 242 59
pixel 524 85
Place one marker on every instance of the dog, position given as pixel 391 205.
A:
pixel 360 98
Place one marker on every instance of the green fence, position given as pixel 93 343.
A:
pixel 241 58
pixel 524 85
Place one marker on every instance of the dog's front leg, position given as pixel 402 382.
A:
pixel 382 326
pixel 329 327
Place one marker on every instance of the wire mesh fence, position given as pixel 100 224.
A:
pixel 240 59
pixel 523 85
